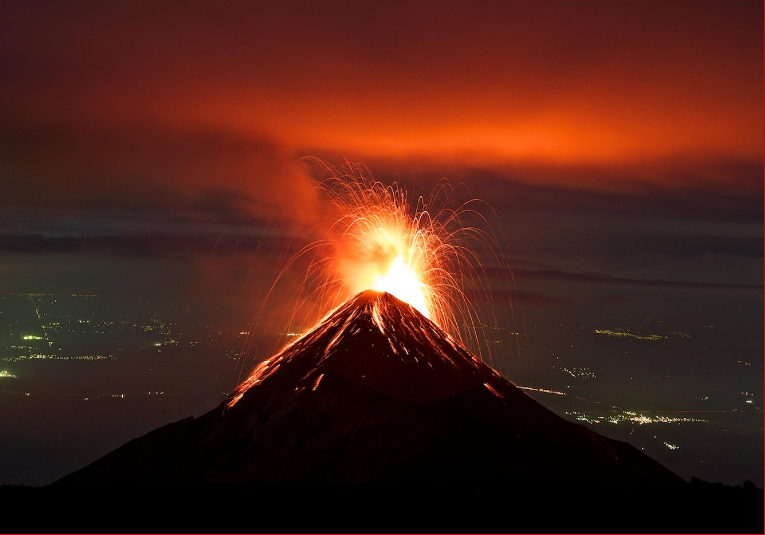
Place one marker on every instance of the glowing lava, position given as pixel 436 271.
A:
pixel 428 253
pixel 425 253
pixel 402 282
pixel 382 243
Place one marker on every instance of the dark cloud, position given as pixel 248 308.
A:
pixel 196 246
pixel 702 188
pixel 517 297
pixel 600 278
pixel 189 173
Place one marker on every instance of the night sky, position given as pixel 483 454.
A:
pixel 165 152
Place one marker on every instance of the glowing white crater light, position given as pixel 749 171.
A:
pixel 402 282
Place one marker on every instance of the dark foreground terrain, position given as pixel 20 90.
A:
pixel 378 421
pixel 507 507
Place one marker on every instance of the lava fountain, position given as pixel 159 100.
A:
pixel 432 254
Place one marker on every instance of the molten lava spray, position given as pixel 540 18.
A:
pixel 382 243
pixel 373 238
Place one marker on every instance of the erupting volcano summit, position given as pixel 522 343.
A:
pixel 375 393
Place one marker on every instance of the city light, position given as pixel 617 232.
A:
pixel 631 417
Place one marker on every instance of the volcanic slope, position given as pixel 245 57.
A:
pixel 376 393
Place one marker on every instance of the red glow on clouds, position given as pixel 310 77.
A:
pixel 495 84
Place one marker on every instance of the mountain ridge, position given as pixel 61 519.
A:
pixel 375 393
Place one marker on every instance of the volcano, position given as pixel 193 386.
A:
pixel 375 393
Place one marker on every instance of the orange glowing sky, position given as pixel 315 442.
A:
pixel 489 84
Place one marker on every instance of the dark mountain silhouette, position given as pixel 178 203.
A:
pixel 376 393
